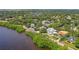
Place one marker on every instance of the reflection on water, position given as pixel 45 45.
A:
pixel 11 40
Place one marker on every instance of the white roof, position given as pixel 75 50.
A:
pixel 51 29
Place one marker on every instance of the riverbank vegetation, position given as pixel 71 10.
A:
pixel 18 28
pixel 43 42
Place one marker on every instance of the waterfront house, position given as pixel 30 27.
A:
pixel 71 39
pixel 30 30
pixel 63 33
pixel 51 31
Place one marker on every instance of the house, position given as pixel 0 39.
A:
pixel 46 23
pixel 71 39
pixel 30 30
pixel 51 31
pixel 32 25
pixel 63 33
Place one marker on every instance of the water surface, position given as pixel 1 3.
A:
pixel 11 40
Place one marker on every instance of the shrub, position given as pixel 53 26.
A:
pixel 77 43
pixel 63 38
pixel 18 28
pixel 43 30
pixel 42 42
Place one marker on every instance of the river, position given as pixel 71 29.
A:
pixel 11 40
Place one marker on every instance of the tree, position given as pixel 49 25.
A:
pixel 77 43
pixel 43 30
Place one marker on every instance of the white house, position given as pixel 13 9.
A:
pixel 32 25
pixel 46 23
pixel 51 31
